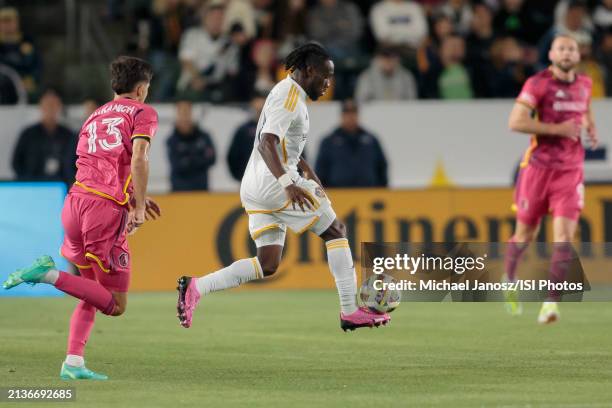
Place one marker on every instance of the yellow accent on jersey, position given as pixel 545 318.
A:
pixel 310 224
pixel 98 261
pixel 295 99
pixel 258 272
pixel 269 211
pixel 529 151
pixel 336 246
pixel 107 196
pixel 75 264
pixel 291 98
pixel 260 231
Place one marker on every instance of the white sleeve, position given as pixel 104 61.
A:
pixel 188 46
pixel 379 23
pixel 278 114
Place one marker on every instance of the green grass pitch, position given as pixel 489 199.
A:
pixel 268 349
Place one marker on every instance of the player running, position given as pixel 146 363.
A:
pixel 276 196
pixel 551 176
pixel 105 204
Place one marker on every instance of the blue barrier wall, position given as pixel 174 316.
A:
pixel 30 226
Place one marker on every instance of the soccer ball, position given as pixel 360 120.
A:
pixel 379 301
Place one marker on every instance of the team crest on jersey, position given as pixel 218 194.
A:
pixel 319 192
pixel 124 259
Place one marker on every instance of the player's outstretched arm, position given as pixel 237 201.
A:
pixel 309 173
pixel 140 177
pixel 268 152
pixel 522 121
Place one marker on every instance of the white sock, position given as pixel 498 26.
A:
pixel 74 360
pixel 341 265
pixel 51 277
pixel 241 271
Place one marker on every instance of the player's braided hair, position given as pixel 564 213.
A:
pixel 306 55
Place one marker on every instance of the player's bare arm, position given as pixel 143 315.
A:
pixel 521 120
pixel 140 177
pixel 308 171
pixel 267 149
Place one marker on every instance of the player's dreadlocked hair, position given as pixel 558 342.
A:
pixel 306 55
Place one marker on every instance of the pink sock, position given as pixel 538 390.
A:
pixel 514 252
pixel 87 290
pixel 81 324
pixel 559 264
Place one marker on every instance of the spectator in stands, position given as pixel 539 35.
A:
pixel 478 44
pixel 242 81
pixel 88 106
pixel 454 80
pixel 460 14
pixel 46 151
pixel 589 66
pixel 430 6
pixel 385 79
pixel 168 21
pixel 573 24
pixel 244 137
pixel 264 17
pixel 398 22
pixel 207 56
pixel 190 150
pixel 351 156
pixel 562 8
pixel 240 12
pixel 290 25
pixel 428 56
pixel 338 26
pixel 17 51
pixel 264 58
pixel 602 16
pixel 506 71
pixel 605 57
pixel 512 20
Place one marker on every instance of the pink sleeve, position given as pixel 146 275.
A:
pixel 530 94
pixel 145 123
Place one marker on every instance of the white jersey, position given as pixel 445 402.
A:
pixel 285 115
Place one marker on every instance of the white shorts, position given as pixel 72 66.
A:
pixel 268 227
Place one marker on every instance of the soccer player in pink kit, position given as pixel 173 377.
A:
pixel 107 201
pixel 551 176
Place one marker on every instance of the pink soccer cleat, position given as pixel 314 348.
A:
pixel 188 299
pixel 363 317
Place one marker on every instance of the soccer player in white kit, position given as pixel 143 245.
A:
pixel 276 196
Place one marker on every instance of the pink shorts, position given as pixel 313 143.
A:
pixel 95 238
pixel 542 190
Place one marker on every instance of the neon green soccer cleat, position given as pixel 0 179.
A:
pixel 69 372
pixel 549 313
pixel 33 274
pixel 513 306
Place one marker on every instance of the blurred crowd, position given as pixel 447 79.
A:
pixel 350 156
pixel 229 50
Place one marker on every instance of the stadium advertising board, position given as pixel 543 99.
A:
pixel 200 232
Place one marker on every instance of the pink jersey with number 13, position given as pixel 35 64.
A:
pixel 105 147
